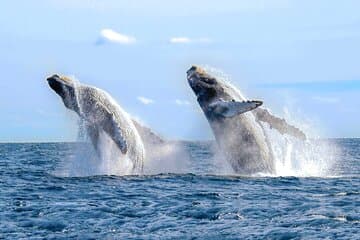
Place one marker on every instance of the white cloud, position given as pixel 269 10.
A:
pixel 182 102
pixel 326 99
pixel 113 36
pixel 185 40
pixel 145 100
pixel 180 40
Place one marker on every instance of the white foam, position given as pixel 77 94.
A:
pixel 294 157
pixel 169 157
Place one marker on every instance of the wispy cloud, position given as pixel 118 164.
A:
pixel 109 35
pixel 326 99
pixel 180 40
pixel 181 102
pixel 187 40
pixel 145 100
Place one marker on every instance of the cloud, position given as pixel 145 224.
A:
pixel 186 40
pixel 109 35
pixel 180 40
pixel 145 100
pixel 181 102
pixel 326 99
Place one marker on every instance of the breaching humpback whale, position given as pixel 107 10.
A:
pixel 235 123
pixel 101 113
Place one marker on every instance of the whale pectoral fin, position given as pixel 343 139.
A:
pixel 93 133
pixel 147 134
pixel 114 131
pixel 279 124
pixel 232 108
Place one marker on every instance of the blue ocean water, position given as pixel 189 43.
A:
pixel 37 203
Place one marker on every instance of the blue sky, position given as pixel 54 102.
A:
pixel 300 57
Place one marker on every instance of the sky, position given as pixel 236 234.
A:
pixel 300 57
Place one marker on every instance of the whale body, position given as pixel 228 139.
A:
pixel 236 123
pixel 101 114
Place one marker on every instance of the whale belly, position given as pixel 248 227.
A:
pixel 243 144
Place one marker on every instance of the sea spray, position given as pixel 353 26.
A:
pixel 167 157
pixel 293 157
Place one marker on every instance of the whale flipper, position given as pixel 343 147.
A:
pixel 114 131
pixel 147 134
pixel 279 124
pixel 232 108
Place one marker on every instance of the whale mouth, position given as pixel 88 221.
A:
pixel 53 77
pixel 199 80
pixel 57 78
pixel 194 74
pixel 57 82
pixel 191 72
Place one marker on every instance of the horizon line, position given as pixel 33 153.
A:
pixel 171 140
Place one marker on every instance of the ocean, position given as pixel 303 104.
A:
pixel 198 202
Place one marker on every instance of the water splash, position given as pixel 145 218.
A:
pixel 294 157
pixel 168 157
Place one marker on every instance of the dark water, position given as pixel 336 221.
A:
pixel 35 204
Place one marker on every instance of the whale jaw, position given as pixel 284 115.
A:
pixel 65 88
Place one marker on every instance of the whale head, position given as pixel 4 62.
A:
pixel 206 87
pixel 217 97
pixel 65 88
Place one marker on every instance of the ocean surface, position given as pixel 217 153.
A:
pixel 38 202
